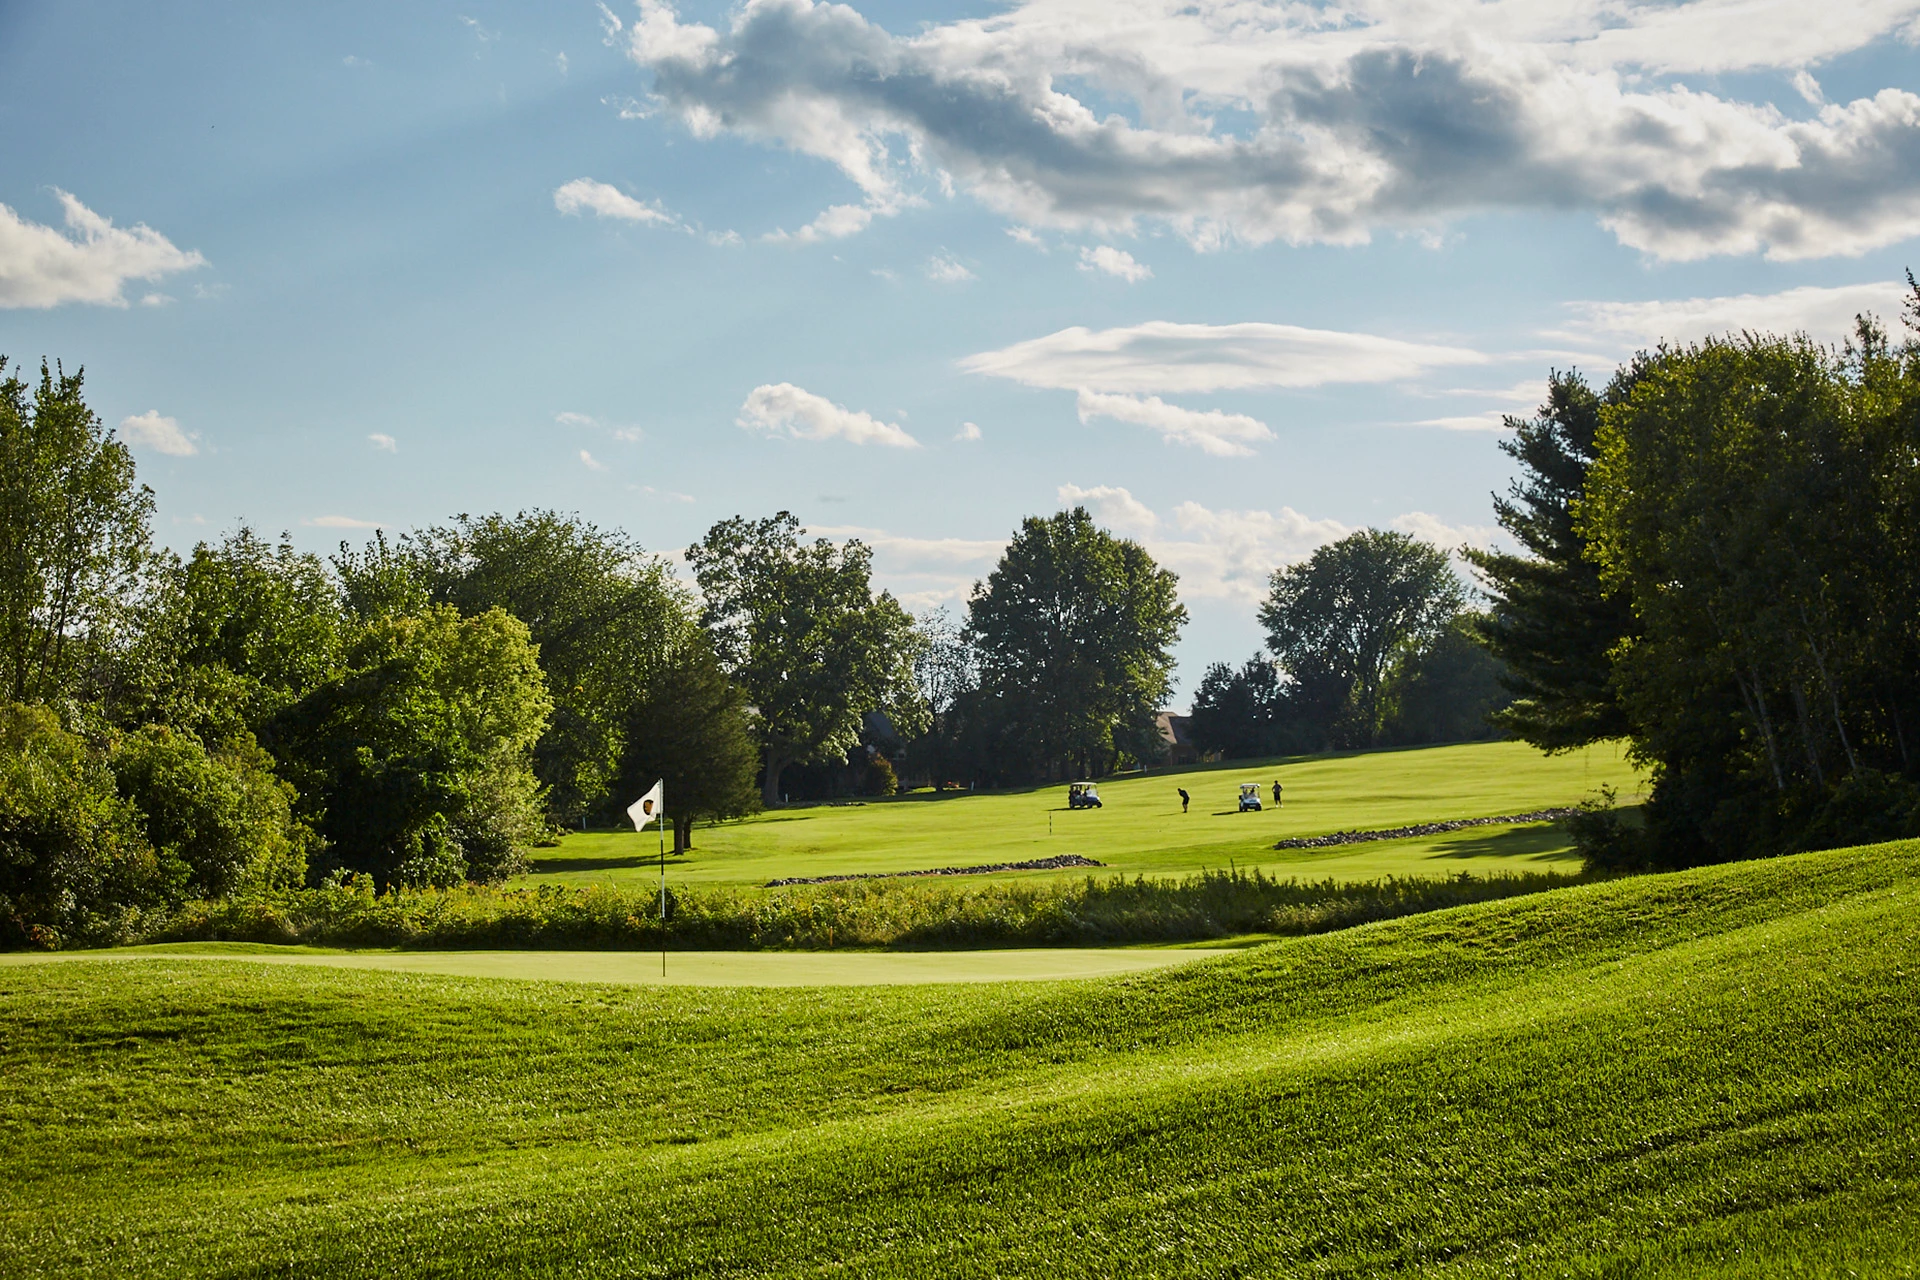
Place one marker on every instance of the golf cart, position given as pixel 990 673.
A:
pixel 1249 797
pixel 1083 795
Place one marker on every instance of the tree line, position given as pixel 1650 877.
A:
pixel 1720 563
pixel 423 708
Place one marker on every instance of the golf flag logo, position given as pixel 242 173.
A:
pixel 647 808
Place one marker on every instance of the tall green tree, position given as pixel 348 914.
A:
pixel 73 535
pixel 1553 623
pixel 1745 498
pixel 1074 632
pixel 692 730
pixel 799 628
pixel 1238 712
pixel 943 673
pixel 416 763
pixel 1337 622
pixel 605 614
pixel 1449 689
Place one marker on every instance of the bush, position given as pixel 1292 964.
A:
pixel 1604 839
pixel 74 867
pixel 880 779
pixel 225 816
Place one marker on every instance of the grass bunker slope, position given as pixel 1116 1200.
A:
pixel 1712 1072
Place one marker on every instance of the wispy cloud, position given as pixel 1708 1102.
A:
pixel 584 195
pixel 968 431
pixel 784 409
pixel 947 269
pixel 1225 435
pixel 150 430
pixel 91 262
pixel 1108 260
pixel 590 462
pixel 1163 356
pixel 384 442
pixel 341 522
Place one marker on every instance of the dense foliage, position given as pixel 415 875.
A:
pixel 796 623
pixel 1072 635
pixel 1756 502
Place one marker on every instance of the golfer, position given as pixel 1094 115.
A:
pixel 1184 797
pixel 1276 793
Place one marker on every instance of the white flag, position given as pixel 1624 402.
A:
pixel 647 808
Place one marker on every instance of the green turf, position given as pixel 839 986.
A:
pixel 1140 829
pixel 1710 1073
pixel 688 968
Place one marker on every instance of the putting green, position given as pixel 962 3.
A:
pixel 1141 829
pixel 687 968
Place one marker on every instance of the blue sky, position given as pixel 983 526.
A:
pixel 1240 276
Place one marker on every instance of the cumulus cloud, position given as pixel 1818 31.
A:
pixel 1826 314
pixel 1253 122
pixel 150 430
pixel 784 409
pixel 91 261
pixel 837 222
pixel 1114 262
pixel 1162 356
pixel 968 431
pixel 590 462
pixel 1448 537
pixel 384 442
pixel 1225 435
pixel 584 195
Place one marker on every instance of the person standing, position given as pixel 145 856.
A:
pixel 1184 797
pixel 1276 793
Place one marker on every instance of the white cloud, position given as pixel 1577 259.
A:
pixel 1113 506
pixel 784 409
pixel 1225 435
pixel 1114 262
pixel 590 462
pixel 92 262
pixel 1826 314
pixel 571 419
pixel 668 494
pixel 150 430
pixel 560 63
pixel 947 269
pixel 924 573
pixel 968 431
pixel 1229 121
pixel 586 195
pixel 1027 236
pixel 1162 356
pixel 341 522
pixel 1448 537
pixel 835 223
pixel 384 442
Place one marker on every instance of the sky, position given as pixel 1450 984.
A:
pixel 1240 277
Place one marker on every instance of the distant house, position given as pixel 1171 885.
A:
pixel 1176 733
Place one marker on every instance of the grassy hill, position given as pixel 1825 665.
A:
pixel 1141 831
pixel 1715 1072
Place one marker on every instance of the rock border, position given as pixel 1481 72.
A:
pixel 1422 829
pixel 1056 863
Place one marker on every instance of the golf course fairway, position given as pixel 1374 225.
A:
pixel 1712 1072
pixel 1141 830
pixel 690 968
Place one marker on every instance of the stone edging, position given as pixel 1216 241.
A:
pixel 1423 829
pixel 1038 864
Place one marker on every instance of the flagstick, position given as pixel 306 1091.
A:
pixel 663 891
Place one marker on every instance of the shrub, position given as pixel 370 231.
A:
pixel 225 815
pixel 880 779
pixel 74 867
pixel 1604 839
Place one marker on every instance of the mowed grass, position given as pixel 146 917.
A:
pixel 684 968
pixel 1141 831
pixel 1709 1073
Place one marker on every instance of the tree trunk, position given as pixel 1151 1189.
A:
pixel 770 787
pixel 682 834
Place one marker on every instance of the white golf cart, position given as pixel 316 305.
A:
pixel 1249 797
pixel 1083 795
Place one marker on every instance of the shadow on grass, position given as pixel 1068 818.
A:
pixel 1546 840
pixel 549 866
